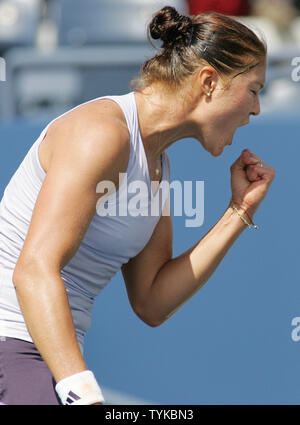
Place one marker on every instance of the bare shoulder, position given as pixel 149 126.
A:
pixel 97 115
pixel 90 130
pixel 89 146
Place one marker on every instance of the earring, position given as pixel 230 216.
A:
pixel 208 94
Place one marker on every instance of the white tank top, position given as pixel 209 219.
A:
pixel 110 241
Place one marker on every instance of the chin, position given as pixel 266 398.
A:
pixel 245 123
pixel 217 152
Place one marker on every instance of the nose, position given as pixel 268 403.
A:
pixel 256 106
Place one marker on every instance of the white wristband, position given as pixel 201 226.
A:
pixel 79 389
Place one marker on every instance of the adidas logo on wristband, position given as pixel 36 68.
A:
pixel 72 397
pixel 79 389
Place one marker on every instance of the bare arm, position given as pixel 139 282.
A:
pixel 87 150
pixel 157 284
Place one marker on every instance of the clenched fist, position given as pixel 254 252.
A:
pixel 250 181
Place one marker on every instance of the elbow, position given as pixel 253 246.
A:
pixel 21 282
pixel 153 323
pixel 16 278
pixel 19 277
pixel 26 277
pixel 20 273
pixel 149 319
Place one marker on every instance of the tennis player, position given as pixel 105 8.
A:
pixel 57 252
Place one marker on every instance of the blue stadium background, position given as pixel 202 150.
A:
pixel 232 342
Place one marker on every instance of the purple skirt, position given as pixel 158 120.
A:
pixel 24 376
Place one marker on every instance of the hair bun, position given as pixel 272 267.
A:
pixel 170 27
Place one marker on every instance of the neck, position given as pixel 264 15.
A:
pixel 163 119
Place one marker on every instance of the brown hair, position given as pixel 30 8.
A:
pixel 189 41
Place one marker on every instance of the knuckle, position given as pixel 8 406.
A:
pixel 272 172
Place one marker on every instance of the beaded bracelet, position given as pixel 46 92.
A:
pixel 248 223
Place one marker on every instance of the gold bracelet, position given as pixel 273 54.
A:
pixel 249 224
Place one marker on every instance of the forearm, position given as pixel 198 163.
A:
pixel 44 304
pixel 180 278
